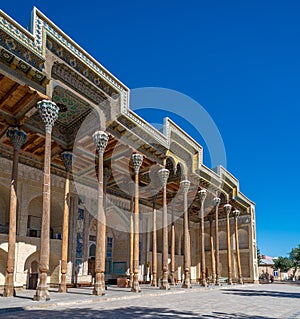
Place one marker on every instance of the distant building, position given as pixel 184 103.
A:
pixel 267 266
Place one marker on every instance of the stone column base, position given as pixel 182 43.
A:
pixel 42 294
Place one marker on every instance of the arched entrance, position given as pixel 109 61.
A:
pixel 33 275
pixel 91 260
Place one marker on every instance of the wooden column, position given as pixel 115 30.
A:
pixel 212 249
pixel 164 175
pixel 173 249
pixel 100 140
pixel 185 184
pixel 67 158
pixel 17 138
pixel 154 244
pixel 49 113
pixel 217 202
pixel 202 195
pixel 236 214
pixel 137 160
pixel 73 230
pixel 131 235
pixel 227 209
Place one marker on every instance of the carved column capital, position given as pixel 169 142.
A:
pixel 227 209
pixel 100 139
pixel 17 137
pixel 202 195
pixel 67 158
pixel 185 185
pixel 137 160
pixel 49 113
pixel 163 176
pixel 216 201
pixel 236 213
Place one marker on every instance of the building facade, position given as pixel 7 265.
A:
pixel 91 192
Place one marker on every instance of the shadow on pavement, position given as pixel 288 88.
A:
pixel 127 312
pixel 266 293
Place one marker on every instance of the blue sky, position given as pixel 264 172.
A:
pixel 238 59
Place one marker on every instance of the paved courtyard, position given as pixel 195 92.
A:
pixel 269 301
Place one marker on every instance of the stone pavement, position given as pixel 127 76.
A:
pixel 269 301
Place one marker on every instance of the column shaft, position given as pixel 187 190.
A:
pixel 203 272
pixel 10 268
pixel 213 266
pixel 238 257
pixel 173 254
pixel 217 244
pixel 164 282
pixel 99 286
pixel 187 251
pixel 136 286
pixel 64 253
pixel 202 195
pixel 154 250
pixel 131 242
pixel 229 251
pixel 42 288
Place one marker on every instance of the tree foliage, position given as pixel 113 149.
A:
pixel 295 258
pixel 258 256
pixel 283 263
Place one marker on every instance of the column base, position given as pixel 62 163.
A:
pixel 241 281
pixel 9 290
pixel 99 286
pixel 135 285
pixel 172 278
pixel 99 289
pixel 154 280
pixel 186 284
pixel 213 280
pixel 42 294
pixel 130 280
pixel 135 288
pixel 164 285
pixel 62 288
pixel 203 283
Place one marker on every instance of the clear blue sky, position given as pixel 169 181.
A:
pixel 238 59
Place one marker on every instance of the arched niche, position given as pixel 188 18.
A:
pixel 222 240
pixel 243 238
pixel 207 242
pixel 34 220
pixel 31 268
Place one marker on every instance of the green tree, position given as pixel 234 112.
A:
pixel 258 256
pixel 295 259
pixel 283 264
